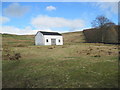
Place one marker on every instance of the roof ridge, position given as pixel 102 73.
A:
pixel 50 33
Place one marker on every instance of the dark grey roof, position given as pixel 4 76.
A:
pixel 50 33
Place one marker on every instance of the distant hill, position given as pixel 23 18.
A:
pixel 17 40
pixel 88 35
pixel 73 37
pixel 26 40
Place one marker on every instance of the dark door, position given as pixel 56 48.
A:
pixel 53 41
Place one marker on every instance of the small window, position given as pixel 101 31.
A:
pixel 59 40
pixel 46 40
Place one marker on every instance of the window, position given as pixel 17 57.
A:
pixel 46 40
pixel 59 40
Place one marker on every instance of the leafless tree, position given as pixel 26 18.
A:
pixel 101 22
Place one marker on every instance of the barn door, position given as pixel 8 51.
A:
pixel 53 41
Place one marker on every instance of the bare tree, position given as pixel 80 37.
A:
pixel 102 23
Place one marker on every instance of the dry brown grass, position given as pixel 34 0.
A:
pixel 73 37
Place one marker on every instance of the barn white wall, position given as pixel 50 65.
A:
pixel 39 39
pixel 49 37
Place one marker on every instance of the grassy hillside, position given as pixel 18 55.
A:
pixel 25 40
pixel 17 40
pixel 72 65
pixel 73 37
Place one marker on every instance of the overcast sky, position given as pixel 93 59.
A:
pixel 30 17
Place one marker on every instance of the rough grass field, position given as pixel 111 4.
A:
pixel 73 65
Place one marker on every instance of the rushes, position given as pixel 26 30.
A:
pixel 11 55
pixel 95 51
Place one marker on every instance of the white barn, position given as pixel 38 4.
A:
pixel 48 38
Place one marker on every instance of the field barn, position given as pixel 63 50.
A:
pixel 48 38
